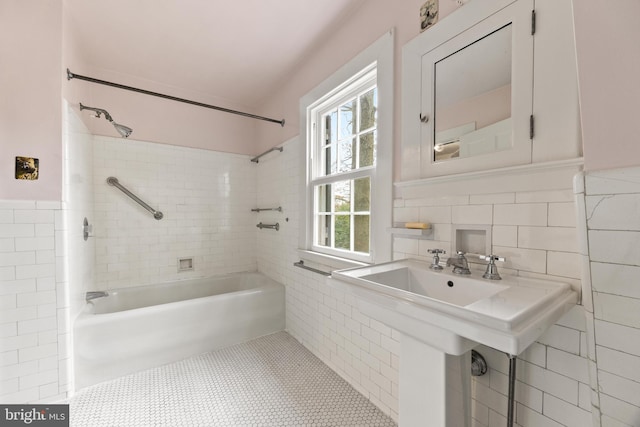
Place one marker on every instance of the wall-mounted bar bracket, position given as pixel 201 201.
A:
pixel 256 159
pixel 275 226
pixel 300 264
pixel 279 209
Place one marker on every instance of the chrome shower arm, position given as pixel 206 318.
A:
pixel 97 110
pixel 123 130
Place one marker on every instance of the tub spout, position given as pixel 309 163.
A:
pixel 95 294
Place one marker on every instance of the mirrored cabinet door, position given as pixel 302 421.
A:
pixel 488 88
pixel 476 98
pixel 472 99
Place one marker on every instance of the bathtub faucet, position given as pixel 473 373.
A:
pixel 95 294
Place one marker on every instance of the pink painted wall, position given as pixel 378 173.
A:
pixel 608 61
pixel 350 37
pixel 152 119
pixel 32 82
pixel 158 120
pixel 608 46
pixel 30 104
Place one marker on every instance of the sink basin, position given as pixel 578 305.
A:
pixel 455 313
pixel 412 279
pixel 440 317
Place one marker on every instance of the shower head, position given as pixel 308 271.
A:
pixel 123 130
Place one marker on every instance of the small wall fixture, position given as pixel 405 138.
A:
pixel 87 229
pixel 27 168
pixel 123 130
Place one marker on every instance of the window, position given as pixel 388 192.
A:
pixel 347 121
pixel 343 146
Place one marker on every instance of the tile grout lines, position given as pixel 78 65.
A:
pixel 270 381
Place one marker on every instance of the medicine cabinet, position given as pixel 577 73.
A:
pixel 492 85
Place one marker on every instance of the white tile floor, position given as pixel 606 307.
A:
pixel 270 381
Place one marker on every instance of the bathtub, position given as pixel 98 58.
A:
pixel 138 328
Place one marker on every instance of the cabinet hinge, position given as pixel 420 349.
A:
pixel 533 22
pixel 531 133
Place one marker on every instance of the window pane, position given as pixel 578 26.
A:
pixel 362 189
pixel 323 198
pixel 361 233
pixel 347 155
pixel 347 119
pixel 368 149
pixel 331 127
pixel 368 109
pixel 330 160
pixel 342 190
pixel 343 232
pixel 323 230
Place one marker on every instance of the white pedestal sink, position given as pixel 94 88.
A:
pixel 441 317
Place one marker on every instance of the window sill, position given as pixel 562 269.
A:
pixel 328 262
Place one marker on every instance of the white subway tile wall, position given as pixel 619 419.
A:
pixel 578 371
pixel 611 203
pixel 326 321
pixel 34 339
pixel 553 375
pixel 78 205
pixel 536 232
pixel 206 198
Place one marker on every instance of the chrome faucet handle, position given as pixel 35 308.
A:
pixel 435 264
pixel 492 258
pixel 492 268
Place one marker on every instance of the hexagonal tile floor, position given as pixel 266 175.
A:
pixel 270 381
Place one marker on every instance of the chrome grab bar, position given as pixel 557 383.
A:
pixel 275 226
pixel 114 182
pixel 256 159
pixel 315 270
pixel 279 209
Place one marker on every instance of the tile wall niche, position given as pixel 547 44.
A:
pixel 206 198
pixel 34 330
pixel 610 203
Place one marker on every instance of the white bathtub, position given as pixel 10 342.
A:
pixel 139 328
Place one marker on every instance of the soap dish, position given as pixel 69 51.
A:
pixel 400 230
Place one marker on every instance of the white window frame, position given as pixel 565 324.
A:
pixel 378 57
pixel 358 85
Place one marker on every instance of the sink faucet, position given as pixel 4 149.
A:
pixel 459 263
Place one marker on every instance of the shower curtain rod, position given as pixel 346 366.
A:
pixel 71 75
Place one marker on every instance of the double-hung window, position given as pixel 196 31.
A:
pixel 343 143
pixel 348 127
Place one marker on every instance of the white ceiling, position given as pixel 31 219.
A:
pixel 238 50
